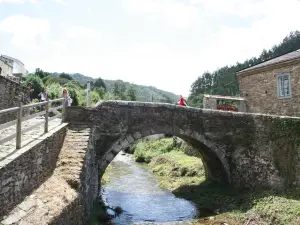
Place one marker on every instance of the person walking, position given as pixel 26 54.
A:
pixel 43 97
pixel 30 92
pixel 182 101
pixel 66 96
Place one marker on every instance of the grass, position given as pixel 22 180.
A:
pixel 219 204
pixel 98 213
pixel 105 178
pixel 145 151
pixel 176 169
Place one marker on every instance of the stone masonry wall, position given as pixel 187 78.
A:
pixel 10 93
pixel 247 150
pixel 260 91
pixel 27 168
pixel 68 195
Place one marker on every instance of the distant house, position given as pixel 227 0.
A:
pixel 273 87
pixel 18 68
pixel 6 67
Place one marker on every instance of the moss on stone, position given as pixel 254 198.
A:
pixel 285 137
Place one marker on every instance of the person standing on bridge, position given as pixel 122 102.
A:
pixel 66 96
pixel 43 97
pixel 30 92
pixel 182 101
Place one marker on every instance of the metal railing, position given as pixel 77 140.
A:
pixel 20 119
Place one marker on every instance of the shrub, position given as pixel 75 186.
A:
pixel 37 84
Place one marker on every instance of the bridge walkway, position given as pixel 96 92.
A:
pixel 9 147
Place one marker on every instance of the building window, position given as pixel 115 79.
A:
pixel 284 85
pixel 0 70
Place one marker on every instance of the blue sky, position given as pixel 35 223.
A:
pixel 162 43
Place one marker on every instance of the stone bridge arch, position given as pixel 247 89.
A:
pixel 214 161
pixel 239 148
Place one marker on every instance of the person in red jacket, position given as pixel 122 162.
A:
pixel 182 101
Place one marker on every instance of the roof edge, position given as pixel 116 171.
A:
pixel 271 66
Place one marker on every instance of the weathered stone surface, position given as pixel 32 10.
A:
pixel 27 168
pixel 238 148
pixel 67 196
pixel 259 88
pixel 10 94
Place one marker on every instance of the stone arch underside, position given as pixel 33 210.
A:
pixel 214 161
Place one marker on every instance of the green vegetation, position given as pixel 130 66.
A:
pixel 100 89
pixel 184 176
pixel 224 81
pixel 105 178
pixel 145 151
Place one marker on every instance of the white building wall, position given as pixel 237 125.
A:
pixel 6 69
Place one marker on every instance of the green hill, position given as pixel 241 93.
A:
pixel 143 93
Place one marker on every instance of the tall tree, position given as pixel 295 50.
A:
pixel 119 90
pixel 131 93
pixel 66 76
pixel 99 83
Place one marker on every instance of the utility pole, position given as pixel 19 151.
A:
pixel 88 98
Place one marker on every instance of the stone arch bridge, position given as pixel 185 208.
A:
pixel 244 150
pixel 55 179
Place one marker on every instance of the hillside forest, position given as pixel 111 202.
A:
pixel 223 81
pixel 76 85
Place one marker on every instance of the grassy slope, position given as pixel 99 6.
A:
pixel 184 176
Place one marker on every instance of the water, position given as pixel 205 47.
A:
pixel 135 190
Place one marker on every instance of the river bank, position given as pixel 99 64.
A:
pixel 184 176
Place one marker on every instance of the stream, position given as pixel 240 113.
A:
pixel 133 188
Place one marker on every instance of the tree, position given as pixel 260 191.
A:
pixel 101 92
pixel 119 90
pixel 37 84
pixel 66 76
pixel 99 83
pixel 40 73
pixel 131 94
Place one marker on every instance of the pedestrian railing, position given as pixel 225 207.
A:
pixel 20 118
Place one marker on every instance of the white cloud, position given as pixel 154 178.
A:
pixel 64 2
pixel 80 32
pixel 174 13
pixel 17 1
pixel 26 32
pixel 230 45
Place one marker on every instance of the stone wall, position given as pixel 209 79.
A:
pixel 10 93
pixel 260 91
pixel 29 167
pixel 68 195
pixel 240 148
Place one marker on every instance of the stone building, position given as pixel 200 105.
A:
pixel 273 87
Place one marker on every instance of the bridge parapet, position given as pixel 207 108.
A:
pixel 243 149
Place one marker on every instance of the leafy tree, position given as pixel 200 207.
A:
pixel 131 94
pixel 119 90
pixel 37 84
pixel 40 73
pixel 95 97
pixel 61 81
pixel 54 91
pixel 101 92
pixel 66 76
pixel 99 83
